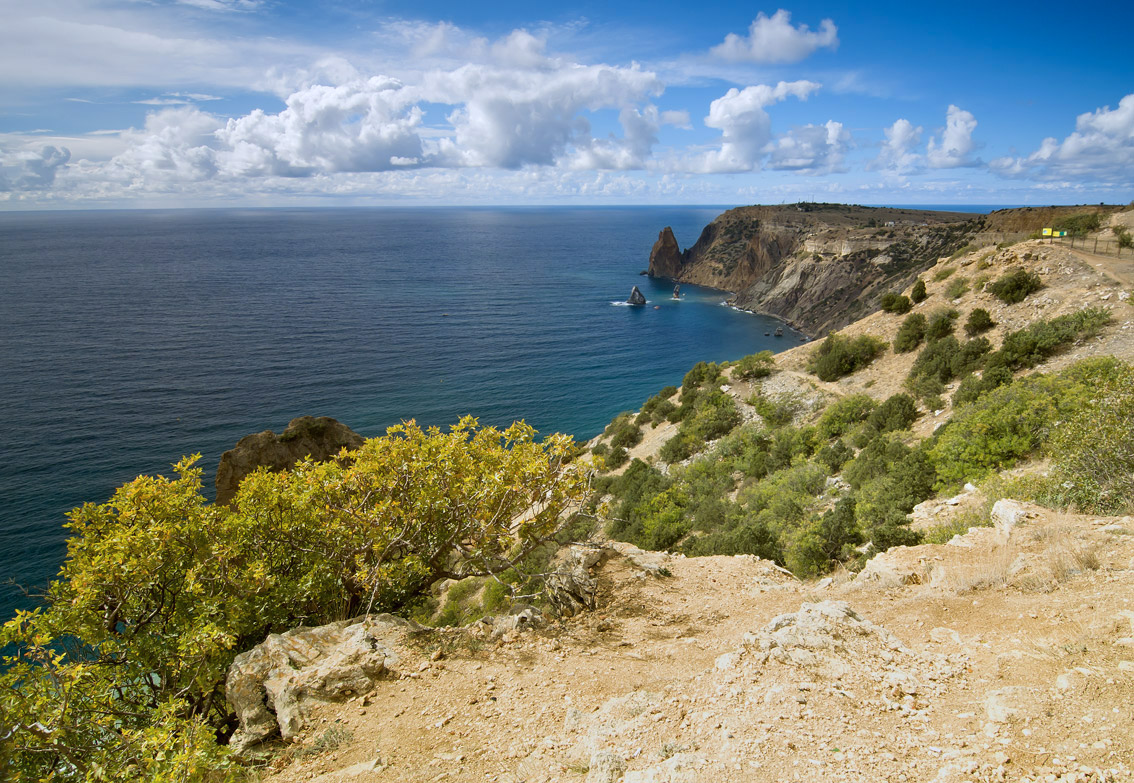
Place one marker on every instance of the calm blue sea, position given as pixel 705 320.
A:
pixel 133 338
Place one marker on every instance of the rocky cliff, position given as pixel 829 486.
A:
pixel 320 438
pixel 816 266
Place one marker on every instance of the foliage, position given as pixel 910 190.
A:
pixel 895 303
pixel 713 415
pixel 943 360
pixel 623 431
pixel 945 271
pixel 897 413
pixel 844 413
pixel 1093 448
pixel 917 293
pixel 1078 225
pixel 838 356
pixel 777 410
pixel 979 321
pixel 656 409
pixel 940 324
pixel 995 431
pixel 1015 286
pixel 161 589
pixel 910 333
pixel 827 540
pixel 1125 238
pixel 973 386
pixel 756 365
pixel 1029 346
pixel 957 288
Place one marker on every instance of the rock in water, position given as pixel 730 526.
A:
pixel 636 297
pixel 320 438
pixel 666 257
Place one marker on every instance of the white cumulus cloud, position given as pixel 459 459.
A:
pixel 773 39
pixel 746 127
pixel 811 149
pixel 31 169
pixel 1101 149
pixel 956 146
pixel 898 150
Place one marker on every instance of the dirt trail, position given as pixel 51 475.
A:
pixel 1121 270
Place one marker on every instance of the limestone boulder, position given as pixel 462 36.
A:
pixel 273 687
pixel 319 438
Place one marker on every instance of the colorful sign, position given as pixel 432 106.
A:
pixel 1047 232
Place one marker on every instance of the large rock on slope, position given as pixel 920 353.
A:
pixel 319 438
pixel 273 687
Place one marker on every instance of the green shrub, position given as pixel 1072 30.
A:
pixel 897 413
pixel 972 386
pixel 962 251
pixel 917 293
pixel 844 413
pixel 895 303
pixel 946 359
pixel 1029 346
pixel 838 356
pixel 747 449
pixel 659 407
pixel 825 541
pixel 944 272
pixel 834 456
pixel 979 321
pixel 1125 238
pixel 1078 225
pixel 775 411
pixel 957 287
pixel 994 432
pixel 1015 286
pixel 701 374
pixel 940 324
pixel 623 431
pixel 757 365
pixel 1093 448
pixel 910 333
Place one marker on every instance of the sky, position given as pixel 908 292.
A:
pixel 172 103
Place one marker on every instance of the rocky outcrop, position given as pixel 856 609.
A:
pixel 636 297
pixel 273 687
pixel 816 266
pixel 319 438
pixel 666 258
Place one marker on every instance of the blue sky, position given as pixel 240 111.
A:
pixel 151 103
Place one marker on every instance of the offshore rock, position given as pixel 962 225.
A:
pixel 666 257
pixel 319 438
pixel 636 297
pixel 273 687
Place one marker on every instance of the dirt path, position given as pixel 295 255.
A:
pixel 1008 657
pixel 1121 270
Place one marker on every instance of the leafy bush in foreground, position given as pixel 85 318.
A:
pixel 917 293
pixel 838 356
pixel 122 674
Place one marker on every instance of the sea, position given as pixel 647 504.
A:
pixel 133 338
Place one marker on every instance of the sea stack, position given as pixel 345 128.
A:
pixel 636 297
pixel 666 258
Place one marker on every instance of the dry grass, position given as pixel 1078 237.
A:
pixel 985 575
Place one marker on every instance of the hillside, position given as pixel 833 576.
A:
pixel 1003 649
pixel 822 266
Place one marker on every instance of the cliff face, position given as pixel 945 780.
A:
pixel 320 438
pixel 816 266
